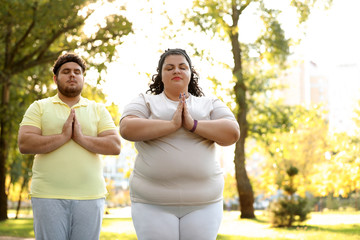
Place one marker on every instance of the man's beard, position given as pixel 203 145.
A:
pixel 69 91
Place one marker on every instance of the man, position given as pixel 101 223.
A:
pixel 67 132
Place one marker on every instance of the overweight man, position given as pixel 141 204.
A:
pixel 67 133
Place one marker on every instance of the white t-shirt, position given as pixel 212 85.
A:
pixel 180 168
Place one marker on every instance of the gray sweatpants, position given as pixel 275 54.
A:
pixel 154 222
pixel 63 219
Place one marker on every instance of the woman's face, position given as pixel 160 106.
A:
pixel 175 74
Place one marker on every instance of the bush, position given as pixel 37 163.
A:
pixel 289 208
pixel 284 212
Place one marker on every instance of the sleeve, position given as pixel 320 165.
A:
pixel 137 107
pixel 105 122
pixel 32 116
pixel 221 111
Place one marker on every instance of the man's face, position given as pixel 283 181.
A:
pixel 70 79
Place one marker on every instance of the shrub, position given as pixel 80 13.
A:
pixel 289 208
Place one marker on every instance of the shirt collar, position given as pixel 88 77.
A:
pixel 83 102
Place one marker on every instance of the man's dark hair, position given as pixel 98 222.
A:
pixel 157 86
pixel 68 57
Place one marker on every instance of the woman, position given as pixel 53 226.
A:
pixel 176 186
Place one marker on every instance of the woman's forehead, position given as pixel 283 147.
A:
pixel 175 59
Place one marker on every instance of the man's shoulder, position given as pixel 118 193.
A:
pixel 45 100
pixel 91 104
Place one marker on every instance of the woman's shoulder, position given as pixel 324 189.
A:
pixel 150 97
pixel 205 99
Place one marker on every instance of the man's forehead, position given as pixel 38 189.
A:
pixel 70 65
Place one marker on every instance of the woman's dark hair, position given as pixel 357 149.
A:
pixel 68 57
pixel 157 86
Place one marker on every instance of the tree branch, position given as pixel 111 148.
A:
pixel 23 38
pixel 39 52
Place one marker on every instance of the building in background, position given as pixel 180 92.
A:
pixel 337 88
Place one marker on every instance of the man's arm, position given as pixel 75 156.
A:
pixel 105 143
pixel 30 141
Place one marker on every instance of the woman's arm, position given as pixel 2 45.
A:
pixel 106 143
pixel 133 128
pixel 224 132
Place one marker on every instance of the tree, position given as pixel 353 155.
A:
pixel 222 18
pixel 32 41
pixel 290 208
pixel 299 138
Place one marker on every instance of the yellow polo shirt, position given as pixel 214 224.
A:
pixel 69 172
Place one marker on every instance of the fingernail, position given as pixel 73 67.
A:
pixel 180 96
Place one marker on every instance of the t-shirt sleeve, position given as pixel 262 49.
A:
pixel 106 122
pixel 137 107
pixel 32 116
pixel 221 111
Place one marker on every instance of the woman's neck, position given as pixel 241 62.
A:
pixel 175 96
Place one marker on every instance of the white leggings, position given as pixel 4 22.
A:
pixel 154 222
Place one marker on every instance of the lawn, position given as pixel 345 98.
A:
pixel 329 226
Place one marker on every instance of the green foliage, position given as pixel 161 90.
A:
pixel 284 213
pixel 289 208
pixel 273 40
pixel 29 44
pixel 230 187
pixel 289 136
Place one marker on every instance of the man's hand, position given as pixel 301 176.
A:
pixel 77 133
pixel 67 130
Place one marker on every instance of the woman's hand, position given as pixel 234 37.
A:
pixel 187 120
pixel 177 118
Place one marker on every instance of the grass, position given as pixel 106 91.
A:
pixel 329 226
pixel 17 228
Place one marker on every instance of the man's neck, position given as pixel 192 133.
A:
pixel 70 101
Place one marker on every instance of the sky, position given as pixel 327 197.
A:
pixel 333 36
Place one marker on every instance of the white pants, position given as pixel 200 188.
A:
pixel 154 222
pixel 62 219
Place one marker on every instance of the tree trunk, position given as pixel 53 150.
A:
pixel 19 202
pixel 3 147
pixel 246 195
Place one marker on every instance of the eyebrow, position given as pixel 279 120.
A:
pixel 79 69
pixel 170 64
